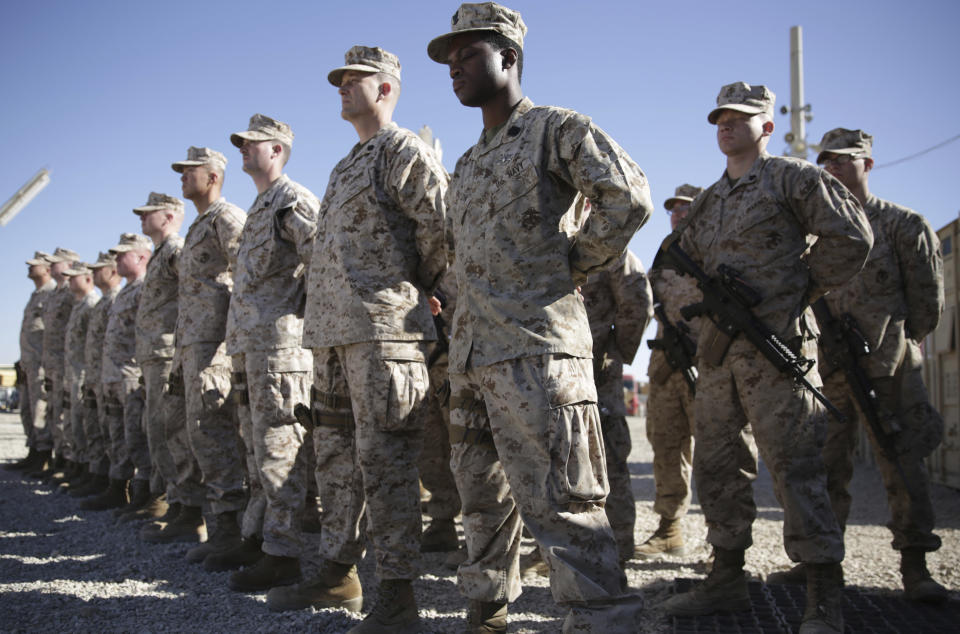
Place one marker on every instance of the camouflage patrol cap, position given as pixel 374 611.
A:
pixel 366 60
pixel 201 156
pixel 156 202
pixel 78 268
pixel 483 16
pixel 132 242
pixel 104 259
pixel 684 193
pixel 263 128
pixel 39 258
pixel 743 98
pixel 842 141
pixel 63 255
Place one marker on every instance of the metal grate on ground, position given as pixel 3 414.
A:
pixel 779 609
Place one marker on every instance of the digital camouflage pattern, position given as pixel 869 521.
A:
pixel 206 266
pixel 619 306
pixel 123 415
pixel 743 97
pixel 266 309
pixel 31 355
pixel 388 385
pixel 197 156
pixel 765 227
pixel 381 248
pixel 120 340
pixel 670 402
pixel 56 312
pixel 263 128
pixel 95 428
pixel 481 16
pixel 366 59
pixel 899 293
pixel 896 300
pixel 682 194
pixel 843 141
pixel 75 376
pixel 156 319
pixel 507 201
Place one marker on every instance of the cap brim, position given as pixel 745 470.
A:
pixel 437 48
pixel 712 117
pixel 336 75
pixel 76 273
pixel 37 263
pixel 148 209
pixel 823 153
pixel 237 138
pixel 100 265
pixel 179 166
pixel 670 202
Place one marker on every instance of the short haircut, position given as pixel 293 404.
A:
pixel 285 151
pixel 499 42
pixel 387 78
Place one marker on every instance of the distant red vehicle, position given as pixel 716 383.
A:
pixel 631 395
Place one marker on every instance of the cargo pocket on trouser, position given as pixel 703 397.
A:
pixel 407 383
pixel 214 388
pixel 578 473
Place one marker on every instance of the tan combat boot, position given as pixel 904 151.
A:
pixel 395 612
pixel 440 537
pixel 246 553
pixel 667 540
pixel 794 576
pixel 724 589
pixel 336 586
pixel 114 497
pixel 533 564
pixel 918 585
pixel 187 526
pixel 225 537
pixel 486 617
pixel 270 571
pixel 824 613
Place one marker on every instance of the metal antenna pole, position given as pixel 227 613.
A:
pixel 800 113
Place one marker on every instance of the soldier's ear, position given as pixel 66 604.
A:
pixel 508 58
pixel 767 127
pixel 867 164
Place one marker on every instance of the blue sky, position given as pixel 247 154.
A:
pixel 107 94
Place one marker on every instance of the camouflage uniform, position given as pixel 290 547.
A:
pixel 164 414
pixel 207 263
pixel 264 329
pixel 74 375
pixel 896 301
pixel 95 429
pixel 434 463
pixel 619 305
pixel 33 404
pixel 670 402
pixel 123 396
pixel 379 255
pixel 523 409
pixel 56 312
pixel 765 226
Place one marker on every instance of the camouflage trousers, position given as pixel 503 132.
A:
pixel 94 430
pixel 620 507
pixel 123 409
pixel 527 444
pixel 905 396
pixel 51 435
pixel 789 427
pixel 33 403
pixel 274 382
pixel 174 467
pixel 212 427
pixel 368 410
pixel 670 432
pixel 434 463
pixel 75 440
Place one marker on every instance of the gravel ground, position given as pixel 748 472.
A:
pixel 70 571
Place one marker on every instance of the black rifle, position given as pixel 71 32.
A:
pixel 842 345
pixel 677 346
pixel 727 301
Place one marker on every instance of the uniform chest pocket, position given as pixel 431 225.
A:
pixel 351 186
pixel 764 224
pixel 514 181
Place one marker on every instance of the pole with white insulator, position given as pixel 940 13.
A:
pixel 23 196
pixel 800 112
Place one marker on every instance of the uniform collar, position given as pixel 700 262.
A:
pixel 724 188
pixel 361 150
pixel 509 132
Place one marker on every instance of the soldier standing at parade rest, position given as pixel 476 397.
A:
pixel 56 312
pixel 670 402
pixel 272 371
pixel 32 404
pixel 80 280
pixel 122 392
pixel 791 232
pixel 378 256
pixel 107 279
pixel 206 266
pixel 895 301
pixel 525 426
